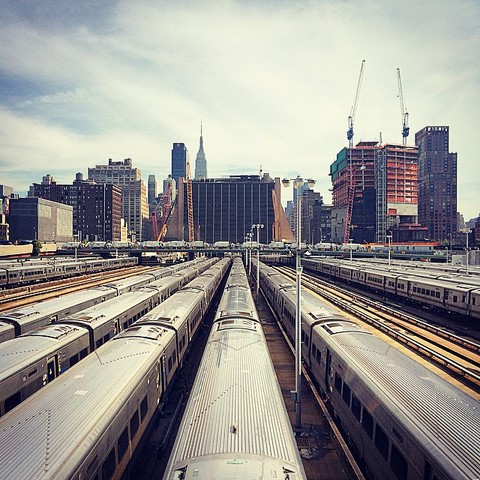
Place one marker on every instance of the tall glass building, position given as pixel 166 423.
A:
pixel 179 161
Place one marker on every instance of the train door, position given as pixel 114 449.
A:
pixel 163 372
pixel 52 368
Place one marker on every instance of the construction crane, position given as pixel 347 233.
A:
pixel 353 110
pixel 351 183
pixel 191 226
pixel 403 109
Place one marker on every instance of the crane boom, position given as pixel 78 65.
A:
pixel 403 110
pixel 353 110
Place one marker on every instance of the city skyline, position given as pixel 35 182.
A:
pixel 272 82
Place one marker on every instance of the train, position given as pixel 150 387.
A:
pixel 235 424
pixel 436 290
pixel 88 423
pixel 35 359
pixel 21 320
pixel 25 273
pixel 402 420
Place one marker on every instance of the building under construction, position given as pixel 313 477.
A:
pixel 375 192
pixel 224 209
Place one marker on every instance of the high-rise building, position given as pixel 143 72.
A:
pixel 375 192
pixel 437 183
pixel 201 161
pixel 97 208
pixel 134 194
pixel 152 189
pixel 224 209
pixel 179 161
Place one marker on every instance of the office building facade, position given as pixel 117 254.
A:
pixel 224 209
pixel 134 194
pixel 97 208
pixel 437 183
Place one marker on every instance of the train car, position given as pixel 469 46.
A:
pixel 430 288
pixel 401 419
pixel 109 400
pixel 36 358
pixel 235 424
pixel 30 317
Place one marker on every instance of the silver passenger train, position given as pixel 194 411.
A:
pixel 24 273
pixel 33 360
pixel 437 290
pixel 21 320
pixel 235 424
pixel 88 423
pixel 402 420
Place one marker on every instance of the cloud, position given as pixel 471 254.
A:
pixel 273 83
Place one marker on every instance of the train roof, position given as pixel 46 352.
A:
pixel 22 351
pixel 432 406
pixel 236 413
pixel 28 313
pixel 59 422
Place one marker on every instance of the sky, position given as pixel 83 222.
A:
pixel 272 82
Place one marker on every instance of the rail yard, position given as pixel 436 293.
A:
pixel 391 385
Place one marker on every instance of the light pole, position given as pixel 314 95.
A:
pixel 258 226
pixel 350 240
pixel 389 238
pixel 297 184
pixel 467 231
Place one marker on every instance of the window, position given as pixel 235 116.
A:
pixel 367 423
pixel 398 463
pixel 134 423
pixel 109 465
pixel 356 407
pixel 381 442
pixel 143 409
pixel 346 394
pixel 122 444
pixel 338 383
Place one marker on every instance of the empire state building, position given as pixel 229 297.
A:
pixel 201 161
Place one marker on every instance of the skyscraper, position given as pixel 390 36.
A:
pixel 201 161
pixel 152 189
pixel 179 161
pixel 437 183
pixel 134 193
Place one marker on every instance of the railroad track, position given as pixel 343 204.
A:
pixel 459 356
pixel 32 293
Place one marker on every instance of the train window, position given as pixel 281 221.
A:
pixel 338 383
pixel 398 463
pixel 455 298
pixel 346 394
pixel 437 294
pixel 83 353
pixel 109 465
pixel 143 409
pixel 122 444
pixel 381 441
pixel 356 407
pixel 74 359
pixel 134 423
pixel 367 423
pixel 169 366
pixel 12 401
pixel 33 372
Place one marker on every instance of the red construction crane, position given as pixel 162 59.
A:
pixel 403 109
pixel 191 226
